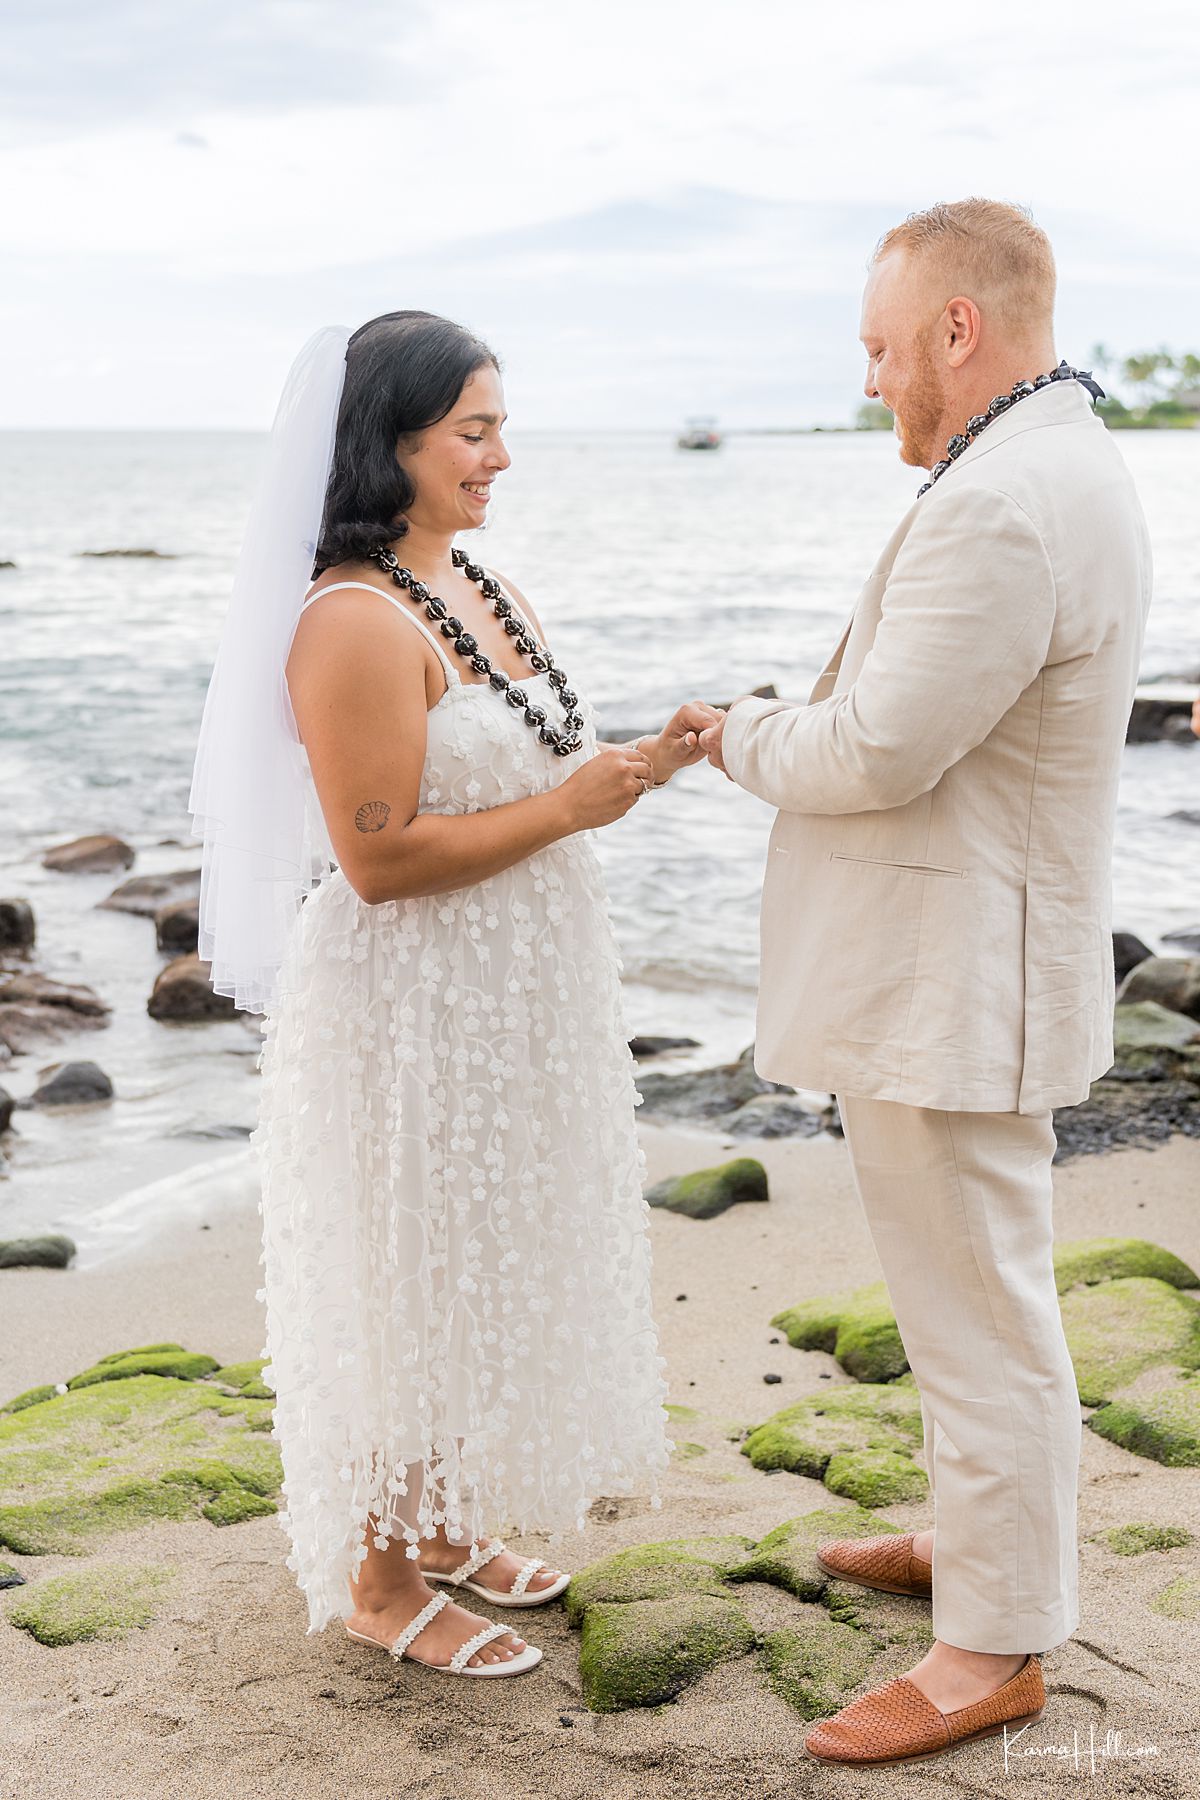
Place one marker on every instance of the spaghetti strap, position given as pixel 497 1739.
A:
pixel 452 674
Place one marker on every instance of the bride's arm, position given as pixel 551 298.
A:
pixel 356 678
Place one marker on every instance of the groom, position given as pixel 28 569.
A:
pixel 936 944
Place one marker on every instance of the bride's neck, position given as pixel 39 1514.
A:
pixel 426 552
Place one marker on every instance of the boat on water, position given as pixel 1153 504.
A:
pixel 700 433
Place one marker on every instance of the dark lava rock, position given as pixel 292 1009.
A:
pixel 705 1093
pixel 146 895
pixel 655 1046
pixel 7 1103
pixel 156 555
pixel 177 926
pixel 183 993
pixel 49 1252
pixel 17 928
pixel 1189 937
pixel 775 1115
pixel 34 1008
pixel 1128 952
pixel 1153 720
pixel 73 1084
pixel 86 855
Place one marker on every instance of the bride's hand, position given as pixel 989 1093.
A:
pixel 677 745
pixel 606 786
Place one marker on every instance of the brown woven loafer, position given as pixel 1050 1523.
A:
pixel 897 1723
pixel 881 1562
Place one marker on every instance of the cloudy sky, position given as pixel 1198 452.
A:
pixel 649 207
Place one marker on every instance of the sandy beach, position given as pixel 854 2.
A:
pixel 225 1694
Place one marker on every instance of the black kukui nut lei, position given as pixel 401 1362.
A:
pixel 1001 404
pixel 562 743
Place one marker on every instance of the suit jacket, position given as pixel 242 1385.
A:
pixel 936 909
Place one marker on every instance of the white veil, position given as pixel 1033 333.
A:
pixel 265 843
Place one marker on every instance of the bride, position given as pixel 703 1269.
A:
pixel 457 1268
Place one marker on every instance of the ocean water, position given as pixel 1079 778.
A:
pixel 659 576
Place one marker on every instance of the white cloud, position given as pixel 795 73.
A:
pixel 683 194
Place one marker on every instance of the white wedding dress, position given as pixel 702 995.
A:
pixel 457 1265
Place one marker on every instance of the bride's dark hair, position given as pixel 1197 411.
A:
pixel 404 371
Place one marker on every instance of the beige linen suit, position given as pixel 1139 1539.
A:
pixel 936 950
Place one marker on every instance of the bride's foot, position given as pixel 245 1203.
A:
pixel 452 1627
pixel 440 1557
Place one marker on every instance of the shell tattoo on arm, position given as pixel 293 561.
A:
pixel 373 816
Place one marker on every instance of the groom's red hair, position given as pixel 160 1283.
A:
pixel 987 250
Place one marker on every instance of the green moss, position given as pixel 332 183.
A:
pixel 680 1415
pixel 875 1477
pixel 1164 1425
pixel 1120 1328
pixel 107 1456
pixel 814 1667
pixel 31 1397
pixel 707 1192
pixel 1089 1260
pixel 648 1651
pixel 807 1436
pixel 245 1378
pixel 99 1602
pixel 858 1327
pixel 1135 1540
pixel 686 1452
pixel 156 1359
pixel 655 1572
pixel 786 1557
pixel 1181 1600
pixel 48 1252
pixel 235 1506
pixel 10 1575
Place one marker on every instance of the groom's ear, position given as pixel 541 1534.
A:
pixel 961 327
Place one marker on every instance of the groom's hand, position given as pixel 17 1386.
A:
pixel 677 745
pixel 711 740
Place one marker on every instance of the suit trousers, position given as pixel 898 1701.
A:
pixel 959 1208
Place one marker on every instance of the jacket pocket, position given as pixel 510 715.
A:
pixel 880 862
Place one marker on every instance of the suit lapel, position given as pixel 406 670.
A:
pixel 823 686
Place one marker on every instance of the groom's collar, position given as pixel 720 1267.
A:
pixel 1063 403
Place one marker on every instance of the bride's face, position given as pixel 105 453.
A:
pixel 452 465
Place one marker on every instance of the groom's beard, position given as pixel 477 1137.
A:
pixel 919 414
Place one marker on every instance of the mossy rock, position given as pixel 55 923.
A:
pixel 858 1327
pixel 10 1576
pixel 1164 1425
pixel 1143 1030
pixel 707 1192
pixel 1118 1329
pixel 150 1359
pixel 109 1455
pixel 786 1557
pixel 1090 1260
pixel 1135 1540
pixel 657 1617
pixel 31 1397
pixel 237 1505
pixel 50 1251
pixel 104 1601
pixel 1180 1600
pixel 814 1666
pixel 686 1452
pixel 655 1572
pixel 845 1430
pixel 875 1477
pixel 245 1378
pixel 646 1653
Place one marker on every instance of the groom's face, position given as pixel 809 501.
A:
pixel 898 334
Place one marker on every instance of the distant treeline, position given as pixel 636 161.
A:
pixel 1164 389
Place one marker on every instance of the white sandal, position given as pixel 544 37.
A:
pixel 528 1658
pixel 516 1595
